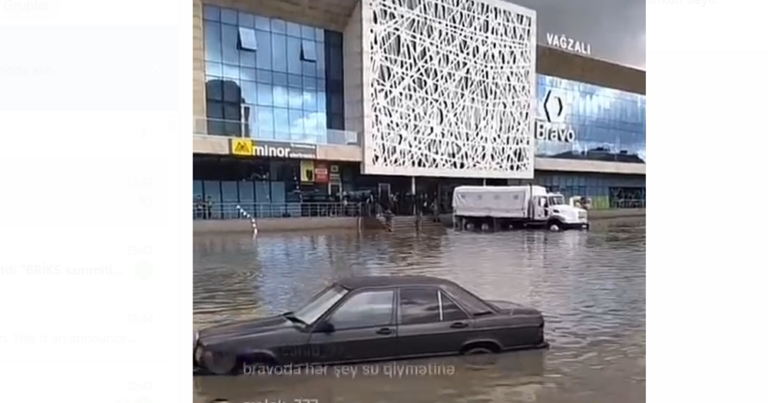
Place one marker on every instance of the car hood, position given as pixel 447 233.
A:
pixel 242 328
pixel 509 307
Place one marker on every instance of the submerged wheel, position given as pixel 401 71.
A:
pixel 485 227
pixel 480 356
pixel 469 226
pixel 219 363
pixel 554 226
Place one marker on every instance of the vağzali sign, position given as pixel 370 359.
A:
pixel 565 43
pixel 275 149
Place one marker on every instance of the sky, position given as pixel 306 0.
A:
pixel 614 28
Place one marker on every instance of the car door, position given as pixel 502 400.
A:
pixel 363 328
pixel 430 323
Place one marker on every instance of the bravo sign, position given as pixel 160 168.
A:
pixel 552 126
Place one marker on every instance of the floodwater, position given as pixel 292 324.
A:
pixel 590 286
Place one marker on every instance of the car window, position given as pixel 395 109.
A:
pixel 419 305
pixel 451 311
pixel 365 309
pixel 470 302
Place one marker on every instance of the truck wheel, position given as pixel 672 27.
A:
pixel 469 226
pixel 485 227
pixel 554 226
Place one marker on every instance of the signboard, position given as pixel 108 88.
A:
pixel 565 43
pixel 242 147
pixel 321 172
pixel 307 169
pixel 273 149
pixel 551 124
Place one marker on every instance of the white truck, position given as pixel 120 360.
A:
pixel 504 207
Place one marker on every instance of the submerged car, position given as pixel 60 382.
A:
pixel 363 319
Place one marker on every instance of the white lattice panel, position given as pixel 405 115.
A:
pixel 449 87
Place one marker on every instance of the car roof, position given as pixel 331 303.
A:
pixel 353 283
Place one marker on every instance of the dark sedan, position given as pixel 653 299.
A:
pixel 369 319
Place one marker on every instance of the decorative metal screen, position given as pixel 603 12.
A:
pixel 450 88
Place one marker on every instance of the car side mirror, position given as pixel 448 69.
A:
pixel 325 327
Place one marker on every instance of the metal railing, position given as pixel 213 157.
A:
pixel 617 204
pixel 241 128
pixel 230 211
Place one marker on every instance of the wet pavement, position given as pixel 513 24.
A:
pixel 590 286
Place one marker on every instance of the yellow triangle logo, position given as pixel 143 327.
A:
pixel 242 147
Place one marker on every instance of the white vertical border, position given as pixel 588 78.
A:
pixel 95 233
pixel 706 276
pixel 534 92
pixel 366 25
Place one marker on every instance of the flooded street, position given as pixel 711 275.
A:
pixel 589 285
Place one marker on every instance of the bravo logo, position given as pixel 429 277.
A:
pixel 552 126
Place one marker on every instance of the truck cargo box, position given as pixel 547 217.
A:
pixel 493 201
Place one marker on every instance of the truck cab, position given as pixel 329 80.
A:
pixel 559 215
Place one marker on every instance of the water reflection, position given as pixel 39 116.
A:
pixel 591 287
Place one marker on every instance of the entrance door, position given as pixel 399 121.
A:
pixel 384 192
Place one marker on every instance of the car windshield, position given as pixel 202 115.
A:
pixel 322 302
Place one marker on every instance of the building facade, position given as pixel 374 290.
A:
pixel 296 102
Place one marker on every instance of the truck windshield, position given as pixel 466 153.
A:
pixel 556 200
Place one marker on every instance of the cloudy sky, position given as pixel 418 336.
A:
pixel 614 28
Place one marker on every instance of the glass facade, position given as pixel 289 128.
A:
pixel 605 190
pixel 267 187
pixel 608 125
pixel 271 79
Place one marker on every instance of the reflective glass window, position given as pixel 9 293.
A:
pixel 247 38
pixel 265 95
pixel 266 124
pixel 276 71
pixel 280 96
pixel 211 13
pixel 297 121
pixel 264 76
pixel 282 125
pixel 295 98
pixel 230 71
pixel 212 33
pixel 248 59
pixel 308 32
pixel 308 51
pixel 213 69
pixel 247 73
pixel 249 91
pixel 214 89
pixel 608 124
pixel 293 29
pixel 229 38
pixel 293 52
pixel 278 26
pixel 232 91
pixel 279 53
pixel 262 23
pixel 245 20
pixel 264 52
pixel 229 16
